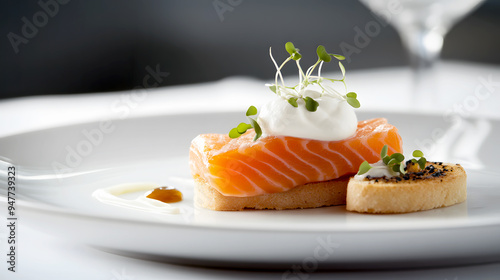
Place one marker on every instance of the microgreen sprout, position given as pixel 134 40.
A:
pixel 394 162
pixel 292 94
pixel 243 127
pixel 421 161
pixel 298 92
pixel 364 167
pixel 311 104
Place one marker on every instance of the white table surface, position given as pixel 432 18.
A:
pixel 41 256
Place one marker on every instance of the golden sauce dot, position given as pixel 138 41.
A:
pixel 166 194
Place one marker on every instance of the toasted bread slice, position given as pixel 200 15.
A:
pixel 311 195
pixel 438 185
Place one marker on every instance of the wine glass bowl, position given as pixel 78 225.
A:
pixel 422 26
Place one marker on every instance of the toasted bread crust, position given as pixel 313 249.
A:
pixel 310 195
pixel 369 196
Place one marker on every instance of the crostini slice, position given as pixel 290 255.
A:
pixel 437 185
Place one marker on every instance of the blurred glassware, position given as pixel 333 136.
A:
pixel 422 25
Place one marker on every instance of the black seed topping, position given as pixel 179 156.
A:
pixel 431 171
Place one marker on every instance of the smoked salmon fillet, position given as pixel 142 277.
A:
pixel 242 167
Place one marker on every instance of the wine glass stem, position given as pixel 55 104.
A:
pixel 424 48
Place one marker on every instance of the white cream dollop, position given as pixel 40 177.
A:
pixel 378 170
pixel 333 120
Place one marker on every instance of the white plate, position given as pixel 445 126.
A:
pixel 155 149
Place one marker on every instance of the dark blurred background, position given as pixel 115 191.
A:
pixel 97 46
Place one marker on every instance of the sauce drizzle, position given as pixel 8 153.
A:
pixel 166 194
pixel 112 196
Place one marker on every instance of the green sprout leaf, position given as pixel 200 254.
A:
pixel 311 104
pixel 402 168
pixel 421 162
pixel 418 153
pixel 351 94
pixel 383 153
pixel 342 69
pixel 392 161
pixel 251 111
pixel 351 98
pixel 364 167
pixel 273 88
pixel 256 127
pixel 243 127
pixel 293 101
pixel 296 56
pixel 294 52
pixel 233 133
pixel 322 54
pixel 398 157
pixel 338 56
pixel 386 159
pixel 290 48
pixel 353 102
pixel 395 167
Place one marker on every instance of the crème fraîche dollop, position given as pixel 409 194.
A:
pixel 333 120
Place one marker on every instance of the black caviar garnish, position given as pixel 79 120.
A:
pixel 432 170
